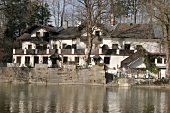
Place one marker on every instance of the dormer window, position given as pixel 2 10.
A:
pixel 114 46
pixel 29 46
pixel 37 34
pixel 127 46
pixel 46 36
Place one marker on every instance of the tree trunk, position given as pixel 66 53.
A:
pixel 135 11
pixel 168 59
pixel 167 50
pixel 88 52
pixel 63 12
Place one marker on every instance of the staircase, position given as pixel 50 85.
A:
pixel 133 57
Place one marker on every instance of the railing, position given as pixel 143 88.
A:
pixel 95 51
pixel 19 51
pixel 117 52
pixel 52 51
pixel 79 51
pixel 66 51
pixel 31 52
pixel 71 52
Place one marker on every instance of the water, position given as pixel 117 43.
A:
pixel 82 99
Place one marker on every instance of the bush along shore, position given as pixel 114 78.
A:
pixel 153 83
pixel 140 82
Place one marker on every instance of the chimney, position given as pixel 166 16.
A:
pixel 112 20
pixel 65 24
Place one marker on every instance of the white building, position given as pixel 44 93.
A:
pixel 120 48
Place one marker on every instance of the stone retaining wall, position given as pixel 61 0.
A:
pixel 42 74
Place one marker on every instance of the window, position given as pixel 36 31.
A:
pixel 54 46
pixel 45 36
pixel 37 34
pixel 64 45
pixel 45 60
pixel 29 46
pixel 127 46
pixel 97 33
pixel 19 60
pixel 36 60
pixel 138 47
pixel 67 47
pixel 65 59
pixel 27 60
pixel 165 61
pixel 38 46
pixel 107 60
pixel 77 59
pixel 89 59
pixel 159 60
pixel 74 46
pixel 114 46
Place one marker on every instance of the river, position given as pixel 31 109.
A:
pixel 31 98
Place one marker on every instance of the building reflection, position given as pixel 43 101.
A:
pixel 82 99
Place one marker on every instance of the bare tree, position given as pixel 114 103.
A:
pixel 92 12
pixel 159 10
pixel 59 10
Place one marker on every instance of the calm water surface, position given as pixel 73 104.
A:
pixel 82 99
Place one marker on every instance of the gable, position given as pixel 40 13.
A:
pixel 35 26
pixel 37 29
pixel 40 30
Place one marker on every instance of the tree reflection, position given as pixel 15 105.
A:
pixel 82 99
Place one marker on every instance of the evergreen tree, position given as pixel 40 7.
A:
pixel 16 13
pixel 39 13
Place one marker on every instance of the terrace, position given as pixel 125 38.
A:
pixel 72 52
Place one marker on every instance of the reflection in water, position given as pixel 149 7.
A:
pixel 82 99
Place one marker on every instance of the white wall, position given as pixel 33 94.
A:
pixel 80 45
pixel 151 45
pixel 60 43
pixel 26 43
pixel 41 30
pixel 31 59
pixel 115 61
pixel 72 58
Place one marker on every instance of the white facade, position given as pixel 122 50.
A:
pixel 115 59
pixel 151 45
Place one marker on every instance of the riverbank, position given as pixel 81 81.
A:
pixel 71 76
